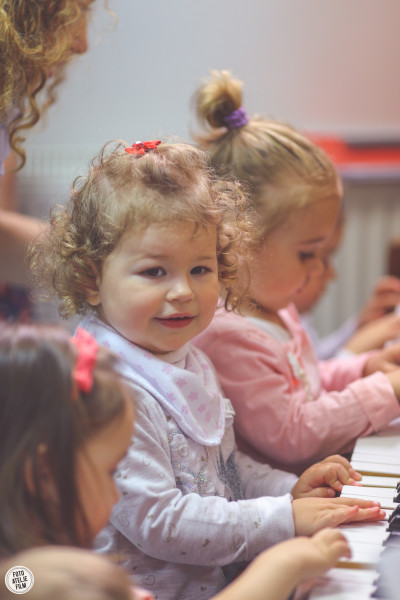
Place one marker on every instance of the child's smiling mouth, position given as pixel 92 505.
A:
pixel 176 321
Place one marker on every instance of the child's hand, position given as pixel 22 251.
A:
pixel 326 478
pixel 312 556
pixel 386 360
pixel 385 296
pixel 312 514
pixel 277 571
pixel 375 334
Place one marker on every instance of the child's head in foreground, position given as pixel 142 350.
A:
pixel 145 241
pixel 65 424
pixel 66 573
pixel 293 186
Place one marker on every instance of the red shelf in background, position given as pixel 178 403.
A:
pixel 360 160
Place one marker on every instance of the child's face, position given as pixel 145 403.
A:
pixel 315 287
pixel 159 287
pixel 97 461
pixel 290 256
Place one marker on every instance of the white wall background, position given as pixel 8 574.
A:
pixel 324 65
pixel 330 65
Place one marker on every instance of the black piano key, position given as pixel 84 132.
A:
pixel 388 581
pixel 393 539
pixel 394 520
pixel 382 591
pixel 394 524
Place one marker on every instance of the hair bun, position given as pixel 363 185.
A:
pixel 218 98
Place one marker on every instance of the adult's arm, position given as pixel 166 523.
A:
pixel 16 230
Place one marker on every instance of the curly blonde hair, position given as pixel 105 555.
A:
pixel 173 183
pixel 283 170
pixel 35 40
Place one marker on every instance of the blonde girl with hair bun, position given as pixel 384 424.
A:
pixel 291 410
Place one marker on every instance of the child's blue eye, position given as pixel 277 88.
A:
pixel 154 272
pixel 200 270
pixel 306 255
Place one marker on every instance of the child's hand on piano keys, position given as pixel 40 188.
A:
pixel 274 573
pixel 326 478
pixel 318 553
pixel 312 514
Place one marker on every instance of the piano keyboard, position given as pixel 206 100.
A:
pixel 373 571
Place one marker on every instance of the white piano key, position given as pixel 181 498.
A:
pixel 374 468
pixel 345 584
pixel 333 590
pixel 388 513
pixel 388 459
pixel 382 495
pixel 380 481
pixel 369 492
pixel 359 577
pixel 363 554
pixel 379 444
pixel 369 533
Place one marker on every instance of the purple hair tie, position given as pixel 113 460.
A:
pixel 237 118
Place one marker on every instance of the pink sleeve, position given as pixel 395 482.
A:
pixel 273 415
pixel 337 373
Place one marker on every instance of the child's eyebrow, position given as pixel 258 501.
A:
pixel 314 240
pixel 165 256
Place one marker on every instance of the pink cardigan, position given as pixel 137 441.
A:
pixel 291 409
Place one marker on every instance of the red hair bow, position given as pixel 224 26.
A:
pixel 86 360
pixel 142 147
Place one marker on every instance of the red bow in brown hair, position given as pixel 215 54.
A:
pixel 142 147
pixel 86 360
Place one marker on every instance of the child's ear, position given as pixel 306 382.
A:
pixel 93 297
pixel 46 483
pixel 92 294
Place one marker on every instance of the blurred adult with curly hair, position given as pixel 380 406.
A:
pixel 38 38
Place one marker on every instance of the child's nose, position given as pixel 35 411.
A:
pixel 330 272
pixel 316 266
pixel 180 290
